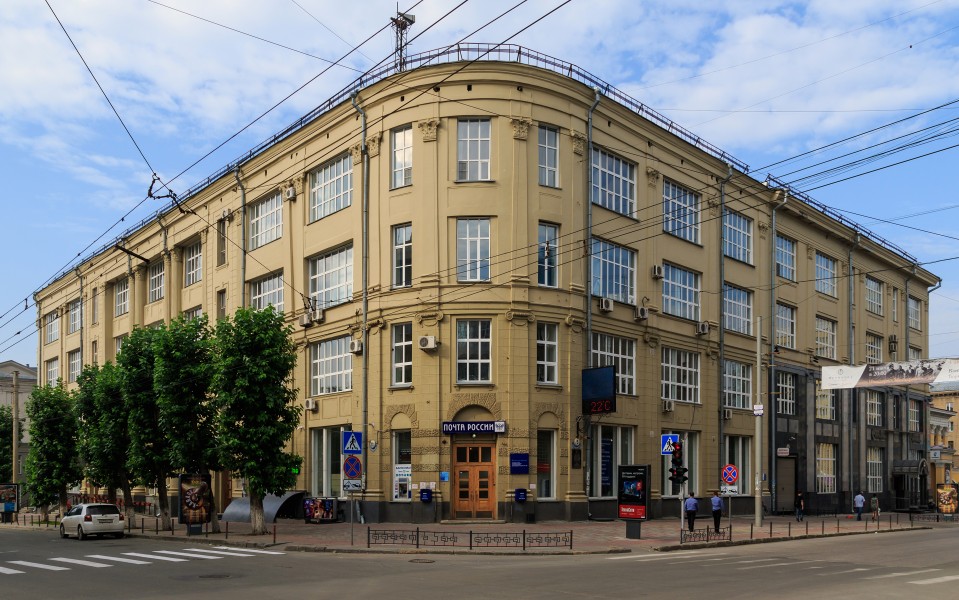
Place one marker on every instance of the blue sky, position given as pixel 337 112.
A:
pixel 763 80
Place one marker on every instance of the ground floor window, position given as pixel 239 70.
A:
pixel 545 464
pixel 402 465
pixel 326 479
pixel 690 441
pixel 874 464
pixel 825 468
pixel 612 446
pixel 737 453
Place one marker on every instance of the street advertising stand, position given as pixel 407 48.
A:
pixel 196 498
pixel 9 500
pixel 320 510
pixel 632 495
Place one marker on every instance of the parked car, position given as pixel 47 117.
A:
pixel 84 520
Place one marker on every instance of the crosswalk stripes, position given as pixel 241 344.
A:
pixel 188 554
pixel 252 550
pixel 25 563
pixel 154 557
pixel 6 571
pixel 120 559
pixel 82 563
pixel 223 552
pixel 945 579
pixel 905 574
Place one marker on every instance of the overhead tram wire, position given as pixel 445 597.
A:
pixel 324 26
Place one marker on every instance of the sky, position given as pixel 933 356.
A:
pixel 767 81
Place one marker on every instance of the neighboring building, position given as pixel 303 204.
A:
pixel 510 247
pixel 26 382
pixel 943 436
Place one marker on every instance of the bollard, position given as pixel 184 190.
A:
pixel 274 534
pixel 750 531
pixel 789 530
pixel 807 527
pixel 524 540
pixel 770 529
pixel 141 525
pixel 823 532
pixel 867 525
pixel 156 525
pixel 837 525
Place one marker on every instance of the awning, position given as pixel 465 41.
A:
pixel 909 467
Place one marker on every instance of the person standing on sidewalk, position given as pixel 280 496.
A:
pixel 717 503
pixel 874 507
pixel 691 505
pixel 800 506
pixel 858 502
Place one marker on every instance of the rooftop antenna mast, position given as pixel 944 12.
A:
pixel 401 24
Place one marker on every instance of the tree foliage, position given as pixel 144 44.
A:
pixel 52 465
pixel 257 411
pixel 6 443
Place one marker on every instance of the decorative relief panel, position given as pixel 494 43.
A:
pixel 373 144
pixel 763 228
pixel 428 129
pixel 652 177
pixel 356 152
pixel 460 401
pixel 579 143
pixel 407 409
pixel 519 317
pixel 521 127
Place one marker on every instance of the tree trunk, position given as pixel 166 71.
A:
pixel 164 500
pixel 112 495
pixel 128 506
pixel 257 524
pixel 214 521
pixel 63 500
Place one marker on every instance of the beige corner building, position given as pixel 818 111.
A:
pixel 457 243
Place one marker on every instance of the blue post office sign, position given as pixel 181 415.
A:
pixel 453 427
pixel 518 463
pixel 519 494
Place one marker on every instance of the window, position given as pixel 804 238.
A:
pixel 402 142
pixel 73 366
pixel 915 414
pixel 95 305
pixel 825 468
pixel 690 457
pixel 873 295
pixel 895 304
pixel 737 385
pixel 825 403
pixel 402 465
pixel 874 468
pixel 121 297
pixel 403 256
pixel 915 353
pixel 327 461
pixel 614 183
pixel 331 277
pixel 785 326
pixel 331 366
pixel 680 375
pixel 94 351
pixel 220 304
pixel 874 401
pixel 221 242
pixel 614 271
pixel 545 464
pixel 472 249
pixel 873 349
pixel 612 447
pixel 785 393
pixel 331 187
pixel 51 326
pixel 266 221
pixel 548 156
pixel 619 352
pixel 546 273
pixel 74 322
pixel 680 292
pixel 825 337
pixel 402 355
pixel 738 231
pixel 193 264
pixel 53 371
pixel 825 274
pixel 547 352
pixel 914 313
pixel 737 309
pixel 680 212
pixel 155 282
pixel 785 258
pixel 193 313
pixel 118 343
pixel 737 453
pixel 267 291
pixel 473 351
pixel 472 150
pixel 896 413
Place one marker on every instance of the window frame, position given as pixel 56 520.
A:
pixel 547 264
pixel 330 277
pixel 826 476
pixel 681 292
pixel 473 149
pixel 331 366
pixel 473 246
pixel 873 293
pixel 826 337
pixel 401 357
pixel 613 271
pixel 74 365
pixel 680 375
pixel 786 326
pixel 193 264
pixel 547 353
pixel 156 281
pixel 914 313
pixel 737 384
pixel 51 326
pixel 826 272
pixel 622 444
pixel 620 352
pixel 401 156
pixel 826 402
pixel 548 155
pixel 260 296
pixel 737 311
pixel 331 187
pixel 681 211
pixel 75 316
pixel 873 346
pixel 546 453
pixel 265 220
pixel 738 236
pixel 221 237
pixel 785 257
pixel 786 393
pixel 474 351
pixel 121 297
pixel 613 182
pixel 875 471
pixel 402 256
pixel 875 402
pixel 52 369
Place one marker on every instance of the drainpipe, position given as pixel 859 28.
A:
pixel 587 421
pixel 851 349
pixel 722 320
pixel 236 175
pixel 366 262
pixel 771 394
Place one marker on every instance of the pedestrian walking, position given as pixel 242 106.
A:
pixel 874 507
pixel 800 506
pixel 717 502
pixel 691 505
pixel 858 502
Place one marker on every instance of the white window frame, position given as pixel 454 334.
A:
pixel 221 253
pixel 118 343
pixel 603 482
pixel 620 352
pixel 75 319
pixel 266 291
pixel 327 475
pixel 737 309
pixel 613 271
pixel 155 281
pixel 74 365
pixel 473 250
pixel 738 230
pixel 785 393
pixel 331 366
pixel 193 313
pixel 825 337
pixel 680 211
pixel 121 297
pixel 914 415
pixel 826 270
pixel 681 292
pixel 914 313
pixel 785 326
pixel 331 277
pixel 53 371
pixel 915 353
pixel 874 469
pixel 546 454
pixel 547 272
pixel 548 156
pixel 403 255
pixel 192 264
pixel 95 306
pixel 825 403
pixel 874 290
pixel 873 349
pixel 266 220
pixel 401 449
pixel 738 453
pixel 474 351
pixel 402 355
pixel 547 353
pixel 680 375
pixel 874 406
pixel 401 143
pixel 331 187
pixel 785 257
pixel 737 384
pixel 52 326
pixel 826 480
pixel 614 182
pixel 473 149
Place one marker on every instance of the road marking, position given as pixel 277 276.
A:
pixel 7 571
pixel 223 552
pixel 664 557
pixel 38 565
pixel 699 560
pixel 888 575
pixel 755 560
pixel 154 557
pixel 936 580
pixel 849 571
pixel 85 563
pixel 782 564
pixel 188 554
pixel 249 550
pixel 118 559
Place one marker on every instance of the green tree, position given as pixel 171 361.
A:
pixel 149 456
pixel 183 373
pixel 53 464
pixel 257 412
pixel 6 443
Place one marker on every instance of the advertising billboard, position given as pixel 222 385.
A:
pixel 195 499
pixel 633 491
pixel 9 497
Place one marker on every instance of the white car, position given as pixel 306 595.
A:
pixel 84 520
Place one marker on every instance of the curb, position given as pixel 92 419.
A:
pixel 700 545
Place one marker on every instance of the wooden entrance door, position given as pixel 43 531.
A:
pixel 474 483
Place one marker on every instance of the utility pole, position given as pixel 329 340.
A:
pixel 15 468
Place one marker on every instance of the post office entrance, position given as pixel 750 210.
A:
pixel 474 480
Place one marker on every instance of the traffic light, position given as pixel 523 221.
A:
pixel 677 473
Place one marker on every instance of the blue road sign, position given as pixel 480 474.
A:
pixel 352 442
pixel 352 467
pixel 669 441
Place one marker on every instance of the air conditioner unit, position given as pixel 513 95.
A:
pixel 606 304
pixel 317 315
pixel 642 313
pixel 306 320
pixel 702 328
pixel 669 406
pixel 290 193
pixel 356 346
pixel 427 342
pixel 311 316
pixel 657 271
pixel 310 404
pixel 727 414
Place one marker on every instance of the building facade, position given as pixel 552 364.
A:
pixel 17 381
pixel 455 243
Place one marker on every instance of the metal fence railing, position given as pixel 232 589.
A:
pixel 469 539
pixel 725 534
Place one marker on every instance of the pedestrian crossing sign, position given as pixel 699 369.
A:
pixel 669 441
pixel 352 442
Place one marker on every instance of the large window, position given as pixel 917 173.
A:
pixel 785 393
pixel 680 211
pixel 737 453
pixel 402 354
pixel 548 259
pixel 118 343
pixel 156 281
pixel 545 464
pixel 825 468
pixel 266 291
pixel 53 371
pixel 95 306
pixel 874 466
pixel 331 187
pixel 690 442
pixel 874 412
pixel 473 150
pixel 738 231
pixel 680 375
pixel 612 447
pixel 737 384
pixel 548 156
pixel 331 366
pixel 327 461
pixel 873 295
pixel 331 277
pixel 472 250
pixel 873 349
pixel 620 352
pixel 193 313
pixel 73 365
pixel 825 337
pixel 785 326
pixel 914 313
pixel 614 271
pixel 51 326
pixel 403 256
pixel 74 311
pixel 220 304
pixel 915 353
pixel 221 242
pixel 680 292
pixel 737 309
pixel 193 264
pixel 402 465
pixel 266 221
pixel 785 257
pixel 614 183
pixel 547 353
pixel 825 274
pixel 121 297
pixel 402 143
pixel 895 304
pixel 825 403
pixel 915 415
pixel 474 345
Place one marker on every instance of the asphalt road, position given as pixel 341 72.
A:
pixel 37 564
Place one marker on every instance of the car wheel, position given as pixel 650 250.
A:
pixel 80 535
pixel 63 531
